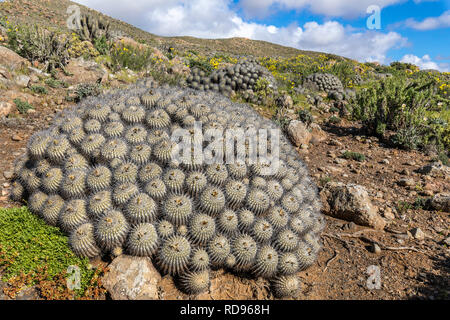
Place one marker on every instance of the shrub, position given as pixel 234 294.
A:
pixel 37 44
pixel 305 116
pixel 354 156
pixel 128 56
pixel 22 106
pixel 28 246
pixel 84 90
pixel 102 45
pixel 39 89
pixel 334 120
pixel 406 107
pixel 55 84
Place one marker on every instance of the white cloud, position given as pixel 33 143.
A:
pixel 216 19
pixel 424 63
pixel 331 8
pixel 443 21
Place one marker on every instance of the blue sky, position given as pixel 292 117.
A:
pixel 416 31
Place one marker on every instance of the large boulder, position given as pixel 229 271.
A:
pixel 132 278
pixel 351 202
pixel 11 59
pixel 299 133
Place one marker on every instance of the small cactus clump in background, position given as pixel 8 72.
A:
pixel 242 76
pixel 324 82
pixel 104 174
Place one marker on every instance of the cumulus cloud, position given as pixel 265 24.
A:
pixel 443 21
pixel 423 63
pixel 216 19
pixel 330 8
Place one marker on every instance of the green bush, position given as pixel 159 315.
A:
pixel 22 106
pixel 128 56
pixel 102 45
pixel 334 120
pixel 38 89
pixel 405 106
pixel 27 244
pixel 38 44
pixel 200 63
pixel 55 84
pixel 84 90
pixel 354 156
pixel 305 116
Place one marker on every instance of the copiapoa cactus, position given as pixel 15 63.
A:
pixel 105 173
pixel 242 76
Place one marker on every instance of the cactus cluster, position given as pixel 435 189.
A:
pixel 324 82
pixel 104 174
pixel 92 28
pixel 239 77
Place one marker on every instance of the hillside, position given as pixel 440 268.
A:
pixel 375 139
pixel 52 13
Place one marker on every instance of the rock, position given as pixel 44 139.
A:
pixel 447 241
pixel 16 138
pixel 317 134
pixel 132 278
pixel 352 203
pixel 22 81
pixel 284 101
pixel 418 234
pixel 441 202
pixel 8 175
pixel 11 59
pixel 435 169
pixel 5 108
pixel 375 248
pixel 336 143
pixel 84 72
pixel 298 133
pixel 340 161
pixel 406 182
pixel 39 72
pixel 388 214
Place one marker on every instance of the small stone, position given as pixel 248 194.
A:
pixel 385 161
pixel 388 214
pixel 5 108
pixel 441 202
pixel 417 233
pixel 406 182
pixel 340 161
pixel 375 248
pixel 349 226
pixel 132 278
pixel 22 81
pixel 405 172
pixel 8 175
pixel 16 138
pixel 447 241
